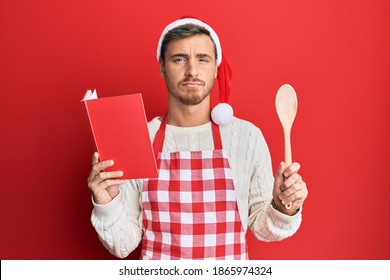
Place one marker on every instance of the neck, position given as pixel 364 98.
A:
pixel 188 116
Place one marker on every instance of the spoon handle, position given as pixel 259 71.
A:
pixel 287 155
pixel 287 147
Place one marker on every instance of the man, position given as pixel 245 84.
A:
pixel 214 181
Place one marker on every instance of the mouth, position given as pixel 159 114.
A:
pixel 192 84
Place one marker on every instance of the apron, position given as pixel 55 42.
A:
pixel 190 211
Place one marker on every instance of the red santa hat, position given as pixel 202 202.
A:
pixel 223 112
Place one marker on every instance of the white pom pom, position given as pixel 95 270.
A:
pixel 222 113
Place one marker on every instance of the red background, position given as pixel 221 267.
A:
pixel 335 54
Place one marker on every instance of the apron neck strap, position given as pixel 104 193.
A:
pixel 160 135
pixel 216 136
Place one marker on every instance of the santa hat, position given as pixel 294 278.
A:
pixel 223 112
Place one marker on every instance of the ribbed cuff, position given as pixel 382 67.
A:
pixel 284 218
pixel 110 209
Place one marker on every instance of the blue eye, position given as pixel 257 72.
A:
pixel 179 59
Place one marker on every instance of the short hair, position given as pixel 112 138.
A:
pixel 181 32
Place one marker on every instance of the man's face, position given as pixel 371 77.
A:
pixel 190 68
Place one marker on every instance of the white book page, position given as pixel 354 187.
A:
pixel 90 95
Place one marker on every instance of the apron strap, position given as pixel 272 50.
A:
pixel 216 136
pixel 160 135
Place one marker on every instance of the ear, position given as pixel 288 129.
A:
pixel 162 68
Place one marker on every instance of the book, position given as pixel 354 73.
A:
pixel 120 133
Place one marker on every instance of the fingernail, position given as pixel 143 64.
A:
pixel 111 162
pixel 283 202
pixel 280 197
pixel 120 173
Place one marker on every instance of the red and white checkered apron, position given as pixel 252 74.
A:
pixel 190 211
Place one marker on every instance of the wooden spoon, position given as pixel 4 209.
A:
pixel 286 103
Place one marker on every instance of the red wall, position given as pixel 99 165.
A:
pixel 335 53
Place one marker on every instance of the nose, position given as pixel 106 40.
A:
pixel 191 70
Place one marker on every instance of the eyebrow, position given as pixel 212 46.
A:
pixel 200 55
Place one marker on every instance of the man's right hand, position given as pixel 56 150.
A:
pixel 103 185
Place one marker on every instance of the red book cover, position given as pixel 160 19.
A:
pixel 120 132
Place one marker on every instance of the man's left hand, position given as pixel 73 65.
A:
pixel 289 188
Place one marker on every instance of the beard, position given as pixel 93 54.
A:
pixel 189 96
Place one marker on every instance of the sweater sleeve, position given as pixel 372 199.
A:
pixel 118 223
pixel 267 223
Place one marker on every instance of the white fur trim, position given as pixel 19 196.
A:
pixel 222 113
pixel 183 21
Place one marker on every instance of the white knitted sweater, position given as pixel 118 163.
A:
pixel 119 223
